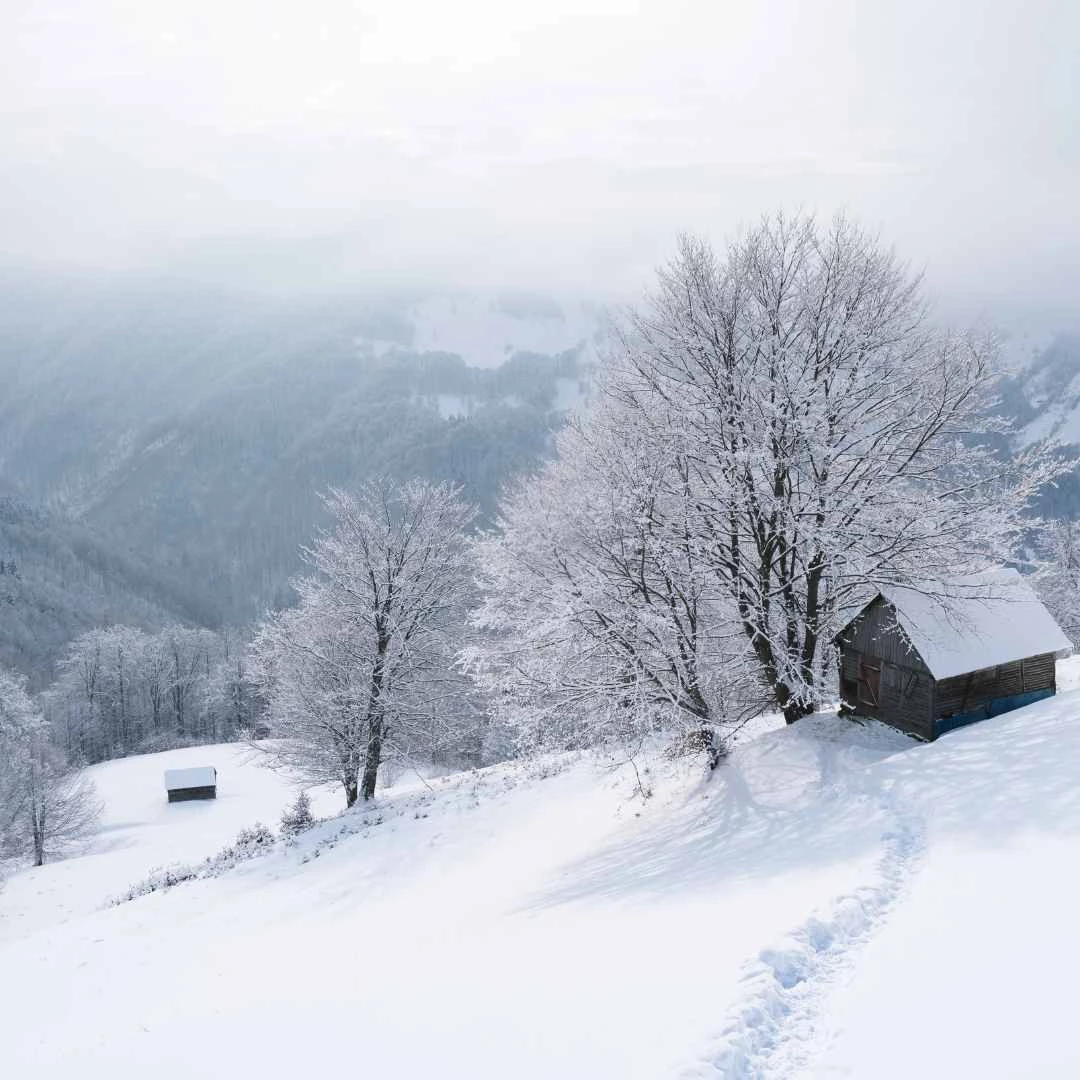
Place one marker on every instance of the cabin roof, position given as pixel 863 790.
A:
pixel 201 776
pixel 975 622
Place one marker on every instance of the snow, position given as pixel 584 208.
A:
pixel 835 900
pixel 976 622
pixel 453 406
pixel 141 829
pixel 972 975
pixel 571 395
pixel 181 779
pixel 485 333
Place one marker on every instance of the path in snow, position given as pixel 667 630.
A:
pixel 773 1032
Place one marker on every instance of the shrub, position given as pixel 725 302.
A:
pixel 297 818
pixel 704 741
pixel 249 840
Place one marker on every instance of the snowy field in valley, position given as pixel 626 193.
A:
pixel 835 900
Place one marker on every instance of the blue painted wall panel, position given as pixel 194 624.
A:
pixel 991 708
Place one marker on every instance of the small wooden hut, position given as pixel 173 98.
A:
pixel 930 660
pixel 185 784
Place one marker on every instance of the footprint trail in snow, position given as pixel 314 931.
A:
pixel 773 1031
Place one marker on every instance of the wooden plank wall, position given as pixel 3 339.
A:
pixel 191 793
pixel 963 693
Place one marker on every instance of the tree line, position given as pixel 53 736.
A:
pixel 121 690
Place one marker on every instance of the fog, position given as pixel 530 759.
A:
pixel 559 146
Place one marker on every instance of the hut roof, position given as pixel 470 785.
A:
pixel 179 779
pixel 975 622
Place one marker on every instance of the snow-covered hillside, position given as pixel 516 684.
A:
pixel 140 830
pixel 1046 392
pixel 487 330
pixel 834 901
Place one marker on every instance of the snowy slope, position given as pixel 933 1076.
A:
pixel 141 830
pixel 486 330
pixel 973 974
pixel 1046 392
pixel 834 901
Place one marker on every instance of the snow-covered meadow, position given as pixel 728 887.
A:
pixel 834 901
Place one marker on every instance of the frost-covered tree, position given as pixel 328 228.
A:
pixel 61 806
pixel 366 659
pixel 234 696
pixel 121 690
pixel 601 618
pixel 46 805
pixel 20 724
pixel 297 816
pixel 310 667
pixel 190 654
pixel 784 429
pixel 1057 572
pixel 829 430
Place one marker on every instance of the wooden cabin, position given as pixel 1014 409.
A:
pixel 930 660
pixel 185 784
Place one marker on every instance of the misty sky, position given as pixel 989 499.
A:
pixel 556 145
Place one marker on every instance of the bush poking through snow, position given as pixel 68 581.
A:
pixel 701 740
pixel 297 817
pixel 158 880
pixel 249 843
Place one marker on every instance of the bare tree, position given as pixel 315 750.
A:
pixel 359 666
pixel 61 804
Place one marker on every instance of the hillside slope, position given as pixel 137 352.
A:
pixel 196 426
pixel 835 900
pixel 60 578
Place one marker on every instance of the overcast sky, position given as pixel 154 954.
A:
pixel 556 145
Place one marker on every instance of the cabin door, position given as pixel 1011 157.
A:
pixel 869 682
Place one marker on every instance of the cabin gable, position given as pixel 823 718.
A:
pixel 875 631
pixel 882 676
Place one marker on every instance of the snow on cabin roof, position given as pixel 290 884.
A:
pixel 179 779
pixel 976 622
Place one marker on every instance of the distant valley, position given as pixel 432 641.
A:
pixel 188 432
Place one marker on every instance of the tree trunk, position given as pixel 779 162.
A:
pixel 38 829
pixel 791 705
pixel 351 792
pixel 373 758
pixel 178 694
pixel 796 710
